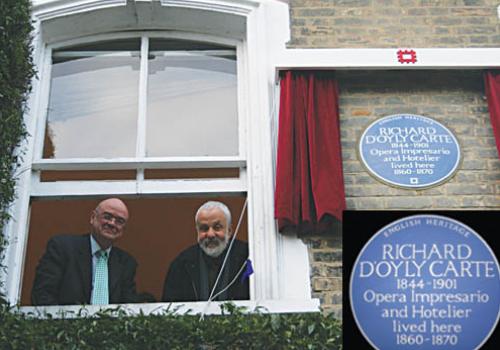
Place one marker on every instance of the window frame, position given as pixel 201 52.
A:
pixel 281 280
pixel 140 186
pixel 142 88
pixel 140 162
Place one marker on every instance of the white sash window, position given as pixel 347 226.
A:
pixel 157 101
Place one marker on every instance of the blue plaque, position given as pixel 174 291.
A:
pixel 410 151
pixel 426 282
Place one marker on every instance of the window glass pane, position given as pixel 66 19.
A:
pixel 93 104
pixel 127 44
pixel 157 231
pixel 161 44
pixel 192 103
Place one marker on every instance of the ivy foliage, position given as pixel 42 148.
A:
pixel 233 330
pixel 16 72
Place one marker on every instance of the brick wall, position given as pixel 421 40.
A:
pixel 394 23
pixel 325 255
pixel 454 98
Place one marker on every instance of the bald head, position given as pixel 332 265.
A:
pixel 115 203
pixel 108 221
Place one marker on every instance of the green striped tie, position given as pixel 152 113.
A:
pixel 100 293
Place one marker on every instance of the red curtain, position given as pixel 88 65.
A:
pixel 492 86
pixel 309 193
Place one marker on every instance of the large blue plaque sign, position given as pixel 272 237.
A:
pixel 426 282
pixel 410 151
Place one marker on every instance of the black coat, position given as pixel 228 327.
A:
pixel 64 273
pixel 183 282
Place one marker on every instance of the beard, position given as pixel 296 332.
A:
pixel 213 247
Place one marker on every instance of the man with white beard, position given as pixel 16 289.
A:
pixel 194 272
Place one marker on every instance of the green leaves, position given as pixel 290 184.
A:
pixel 238 330
pixel 16 72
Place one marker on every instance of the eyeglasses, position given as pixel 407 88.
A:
pixel 110 217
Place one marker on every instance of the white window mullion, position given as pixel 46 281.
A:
pixel 242 93
pixel 142 112
pixel 42 111
pixel 138 163
pixel 176 188
pixel 46 74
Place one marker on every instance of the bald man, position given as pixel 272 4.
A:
pixel 66 274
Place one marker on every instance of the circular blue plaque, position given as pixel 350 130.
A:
pixel 410 151
pixel 426 282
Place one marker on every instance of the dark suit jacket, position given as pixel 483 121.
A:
pixel 183 282
pixel 64 273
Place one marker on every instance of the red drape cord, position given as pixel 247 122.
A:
pixel 492 87
pixel 309 178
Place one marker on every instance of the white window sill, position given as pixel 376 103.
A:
pixel 188 308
